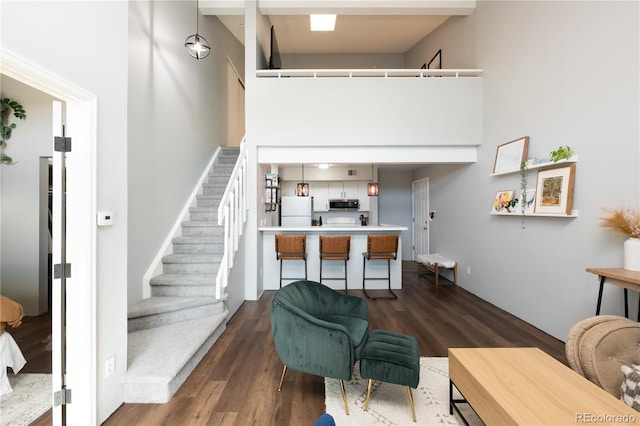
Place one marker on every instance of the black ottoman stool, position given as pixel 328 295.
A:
pixel 393 358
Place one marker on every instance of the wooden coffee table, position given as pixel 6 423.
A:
pixel 525 386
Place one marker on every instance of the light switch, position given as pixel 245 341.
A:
pixel 105 218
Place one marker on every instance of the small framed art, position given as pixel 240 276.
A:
pixel 510 155
pixel 554 190
pixel 503 202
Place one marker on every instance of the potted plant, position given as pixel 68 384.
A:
pixel 562 153
pixel 625 221
pixel 7 106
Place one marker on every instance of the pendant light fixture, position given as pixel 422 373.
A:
pixel 302 189
pixel 196 45
pixel 372 187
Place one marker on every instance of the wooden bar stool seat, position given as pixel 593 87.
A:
pixel 335 248
pixel 291 247
pixel 380 247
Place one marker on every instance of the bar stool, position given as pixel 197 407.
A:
pixel 335 248
pixel 291 247
pixel 380 247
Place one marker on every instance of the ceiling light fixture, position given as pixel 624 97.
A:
pixel 196 45
pixel 372 187
pixel 322 22
pixel 323 166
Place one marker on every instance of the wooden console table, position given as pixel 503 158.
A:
pixel 525 386
pixel 620 277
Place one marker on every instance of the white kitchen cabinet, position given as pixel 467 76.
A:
pixel 346 189
pixel 320 193
pixel 288 187
pixel 363 196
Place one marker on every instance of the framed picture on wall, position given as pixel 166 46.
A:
pixel 510 155
pixel 529 198
pixel 502 202
pixel 554 190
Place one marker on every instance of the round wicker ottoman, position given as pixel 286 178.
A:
pixel 392 358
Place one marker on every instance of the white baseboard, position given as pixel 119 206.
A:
pixel 166 248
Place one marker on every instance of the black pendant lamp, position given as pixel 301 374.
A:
pixel 302 189
pixel 196 45
pixel 372 187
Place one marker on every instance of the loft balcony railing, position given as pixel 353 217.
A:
pixel 355 73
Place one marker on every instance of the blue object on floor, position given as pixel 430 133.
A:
pixel 325 420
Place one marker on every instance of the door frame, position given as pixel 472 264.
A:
pixel 415 228
pixel 81 125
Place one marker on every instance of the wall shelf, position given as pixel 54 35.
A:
pixel 574 213
pixel 573 159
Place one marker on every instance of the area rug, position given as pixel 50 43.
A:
pixel 31 397
pixel 389 403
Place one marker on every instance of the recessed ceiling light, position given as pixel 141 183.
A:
pixel 323 166
pixel 323 22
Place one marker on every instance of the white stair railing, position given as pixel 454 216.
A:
pixel 232 213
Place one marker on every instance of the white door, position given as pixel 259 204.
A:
pixel 420 195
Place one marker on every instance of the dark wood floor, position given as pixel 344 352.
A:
pixel 236 382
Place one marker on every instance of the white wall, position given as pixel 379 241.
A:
pixel 307 112
pixel 542 78
pixel 20 192
pixel 177 118
pixel 85 43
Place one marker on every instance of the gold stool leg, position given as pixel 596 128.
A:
pixel 366 401
pixel 344 396
pixel 284 370
pixel 413 408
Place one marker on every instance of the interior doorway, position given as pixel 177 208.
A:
pixel 79 369
pixel 421 216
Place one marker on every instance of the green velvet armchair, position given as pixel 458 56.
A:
pixel 318 330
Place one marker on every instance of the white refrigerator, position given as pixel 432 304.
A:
pixel 296 211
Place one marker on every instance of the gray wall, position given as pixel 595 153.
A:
pixel 394 203
pixel 544 76
pixel 20 215
pixel 177 119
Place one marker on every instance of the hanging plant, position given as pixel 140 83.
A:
pixel 7 106
pixel 523 190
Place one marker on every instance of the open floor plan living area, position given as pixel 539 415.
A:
pixel 216 212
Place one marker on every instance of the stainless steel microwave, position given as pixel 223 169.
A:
pixel 344 204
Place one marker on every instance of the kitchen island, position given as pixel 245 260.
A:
pixel 271 266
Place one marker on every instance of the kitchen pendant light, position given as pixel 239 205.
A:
pixel 196 45
pixel 302 189
pixel 372 187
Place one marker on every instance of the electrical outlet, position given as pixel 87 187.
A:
pixel 110 366
pixel 468 270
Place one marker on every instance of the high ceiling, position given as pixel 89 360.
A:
pixel 362 26
pixel 389 34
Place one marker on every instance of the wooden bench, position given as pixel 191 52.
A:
pixel 434 262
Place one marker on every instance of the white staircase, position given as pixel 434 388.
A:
pixel 171 331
